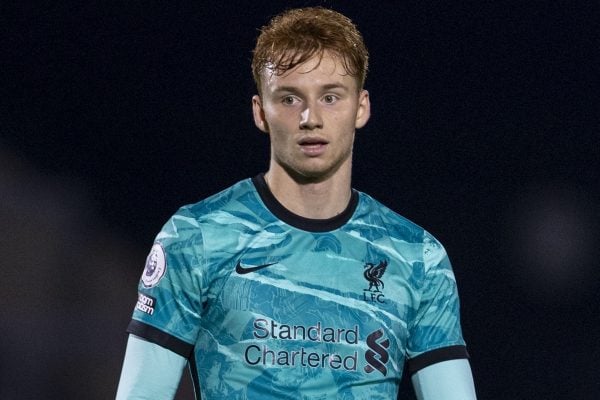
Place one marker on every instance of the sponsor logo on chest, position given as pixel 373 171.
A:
pixel 278 344
pixel 268 333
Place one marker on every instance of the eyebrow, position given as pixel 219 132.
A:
pixel 294 89
pixel 330 86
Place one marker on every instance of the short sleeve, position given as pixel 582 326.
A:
pixel 170 291
pixel 435 334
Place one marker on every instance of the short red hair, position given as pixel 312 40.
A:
pixel 295 36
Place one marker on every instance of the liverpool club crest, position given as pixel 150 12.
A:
pixel 373 274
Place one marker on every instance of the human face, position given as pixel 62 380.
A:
pixel 311 113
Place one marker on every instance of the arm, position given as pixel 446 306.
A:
pixel 149 371
pixel 447 380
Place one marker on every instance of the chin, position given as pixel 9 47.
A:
pixel 311 175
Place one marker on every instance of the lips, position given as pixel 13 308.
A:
pixel 311 141
pixel 313 146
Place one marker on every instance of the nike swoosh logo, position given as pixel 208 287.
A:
pixel 245 270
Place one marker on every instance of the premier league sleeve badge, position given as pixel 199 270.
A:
pixel 156 266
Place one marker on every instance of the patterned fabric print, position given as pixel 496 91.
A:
pixel 276 312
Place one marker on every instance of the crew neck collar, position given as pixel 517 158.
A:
pixel 297 221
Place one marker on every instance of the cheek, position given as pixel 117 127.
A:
pixel 345 124
pixel 344 118
pixel 281 120
pixel 279 136
pixel 282 124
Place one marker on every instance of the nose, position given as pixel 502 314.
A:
pixel 310 118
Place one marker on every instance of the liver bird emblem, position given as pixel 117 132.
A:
pixel 373 274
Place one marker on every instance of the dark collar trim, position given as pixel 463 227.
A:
pixel 295 220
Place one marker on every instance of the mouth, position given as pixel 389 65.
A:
pixel 313 146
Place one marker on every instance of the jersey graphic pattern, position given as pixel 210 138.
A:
pixel 271 311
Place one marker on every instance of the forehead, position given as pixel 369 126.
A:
pixel 316 71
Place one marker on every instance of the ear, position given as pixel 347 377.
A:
pixel 364 109
pixel 259 114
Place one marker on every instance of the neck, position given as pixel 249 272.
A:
pixel 320 199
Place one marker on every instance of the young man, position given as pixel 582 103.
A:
pixel 292 285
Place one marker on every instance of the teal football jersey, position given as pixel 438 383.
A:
pixel 266 304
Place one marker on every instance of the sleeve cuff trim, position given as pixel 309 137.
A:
pixel 160 338
pixel 435 356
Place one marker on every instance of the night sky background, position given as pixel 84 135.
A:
pixel 484 130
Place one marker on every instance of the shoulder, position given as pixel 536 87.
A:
pixel 218 209
pixel 185 236
pixel 398 226
pixel 230 198
pixel 235 197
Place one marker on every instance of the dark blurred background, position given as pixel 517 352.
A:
pixel 484 130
